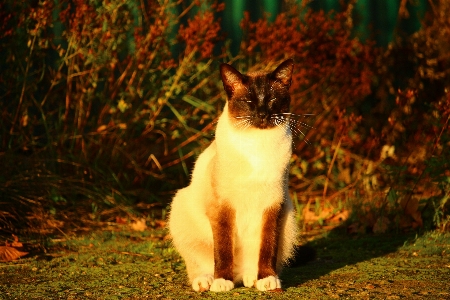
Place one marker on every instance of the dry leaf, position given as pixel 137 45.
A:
pixel 345 175
pixel 102 128
pixel 340 217
pixel 381 225
pixel 311 217
pixel 16 242
pixel 120 220
pixel 160 223
pixel 139 225
pixel 410 205
pixel 356 228
pixel 10 253
pixel 417 216
pixel 405 222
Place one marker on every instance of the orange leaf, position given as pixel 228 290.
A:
pixel 121 220
pixel 160 223
pixel 16 242
pixel 10 253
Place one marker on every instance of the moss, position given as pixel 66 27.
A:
pixel 124 265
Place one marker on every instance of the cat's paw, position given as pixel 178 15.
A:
pixel 221 285
pixel 269 283
pixel 202 283
pixel 249 280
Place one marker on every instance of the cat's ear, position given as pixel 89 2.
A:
pixel 283 73
pixel 231 79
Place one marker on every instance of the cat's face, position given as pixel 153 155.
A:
pixel 258 100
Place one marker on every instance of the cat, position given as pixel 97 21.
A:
pixel 235 221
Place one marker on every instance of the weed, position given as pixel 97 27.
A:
pixel 106 104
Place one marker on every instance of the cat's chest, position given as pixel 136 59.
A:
pixel 262 154
pixel 253 156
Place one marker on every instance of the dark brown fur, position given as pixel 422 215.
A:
pixel 223 224
pixel 258 96
pixel 269 242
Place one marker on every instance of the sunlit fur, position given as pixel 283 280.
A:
pixel 287 120
pixel 246 169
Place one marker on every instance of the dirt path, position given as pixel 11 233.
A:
pixel 122 265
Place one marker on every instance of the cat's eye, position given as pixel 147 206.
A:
pixel 247 101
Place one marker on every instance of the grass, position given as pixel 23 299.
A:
pixel 117 264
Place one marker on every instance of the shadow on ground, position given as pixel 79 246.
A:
pixel 388 266
pixel 336 249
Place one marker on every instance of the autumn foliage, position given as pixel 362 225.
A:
pixel 381 123
pixel 106 104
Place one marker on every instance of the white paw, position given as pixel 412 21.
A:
pixel 202 283
pixel 269 283
pixel 249 280
pixel 221 285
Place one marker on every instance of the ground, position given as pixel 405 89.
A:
pixel 119 264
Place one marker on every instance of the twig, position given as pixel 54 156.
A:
pixel 193 137
pixel 12 265
pixel 128 253
pixel 329 169
pixel 178 160
pixel 23 86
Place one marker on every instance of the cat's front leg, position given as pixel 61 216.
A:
pixel 267 276
pixel 222 224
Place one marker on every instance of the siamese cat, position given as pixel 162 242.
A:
pixel 235 221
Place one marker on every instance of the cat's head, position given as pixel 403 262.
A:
pixel 258 100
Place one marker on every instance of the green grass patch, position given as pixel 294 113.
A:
pixel 113 264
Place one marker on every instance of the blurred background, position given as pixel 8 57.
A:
pixel 106 104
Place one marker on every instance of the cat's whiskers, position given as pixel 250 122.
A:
pixel 296 115
pixel 243 122
pixel 291 121
pixel 277 120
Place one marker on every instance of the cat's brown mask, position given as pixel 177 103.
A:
pixel 258 100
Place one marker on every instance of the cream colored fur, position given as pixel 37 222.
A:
pixel 246 168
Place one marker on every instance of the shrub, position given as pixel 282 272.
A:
pixel 101 114
pixel 106 105
pixel 380 116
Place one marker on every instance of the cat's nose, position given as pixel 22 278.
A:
pixel 262 114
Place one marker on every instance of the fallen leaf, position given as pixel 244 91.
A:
pixel 16 242
pixel 355 228
pixel 102 128
pixel 139 225
pixel 410 205
pixel 311 217
pixel 120 220
pixel 160 223
pixel 417 216
pixel 10 253
pixel 340 217
pixel 381 225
